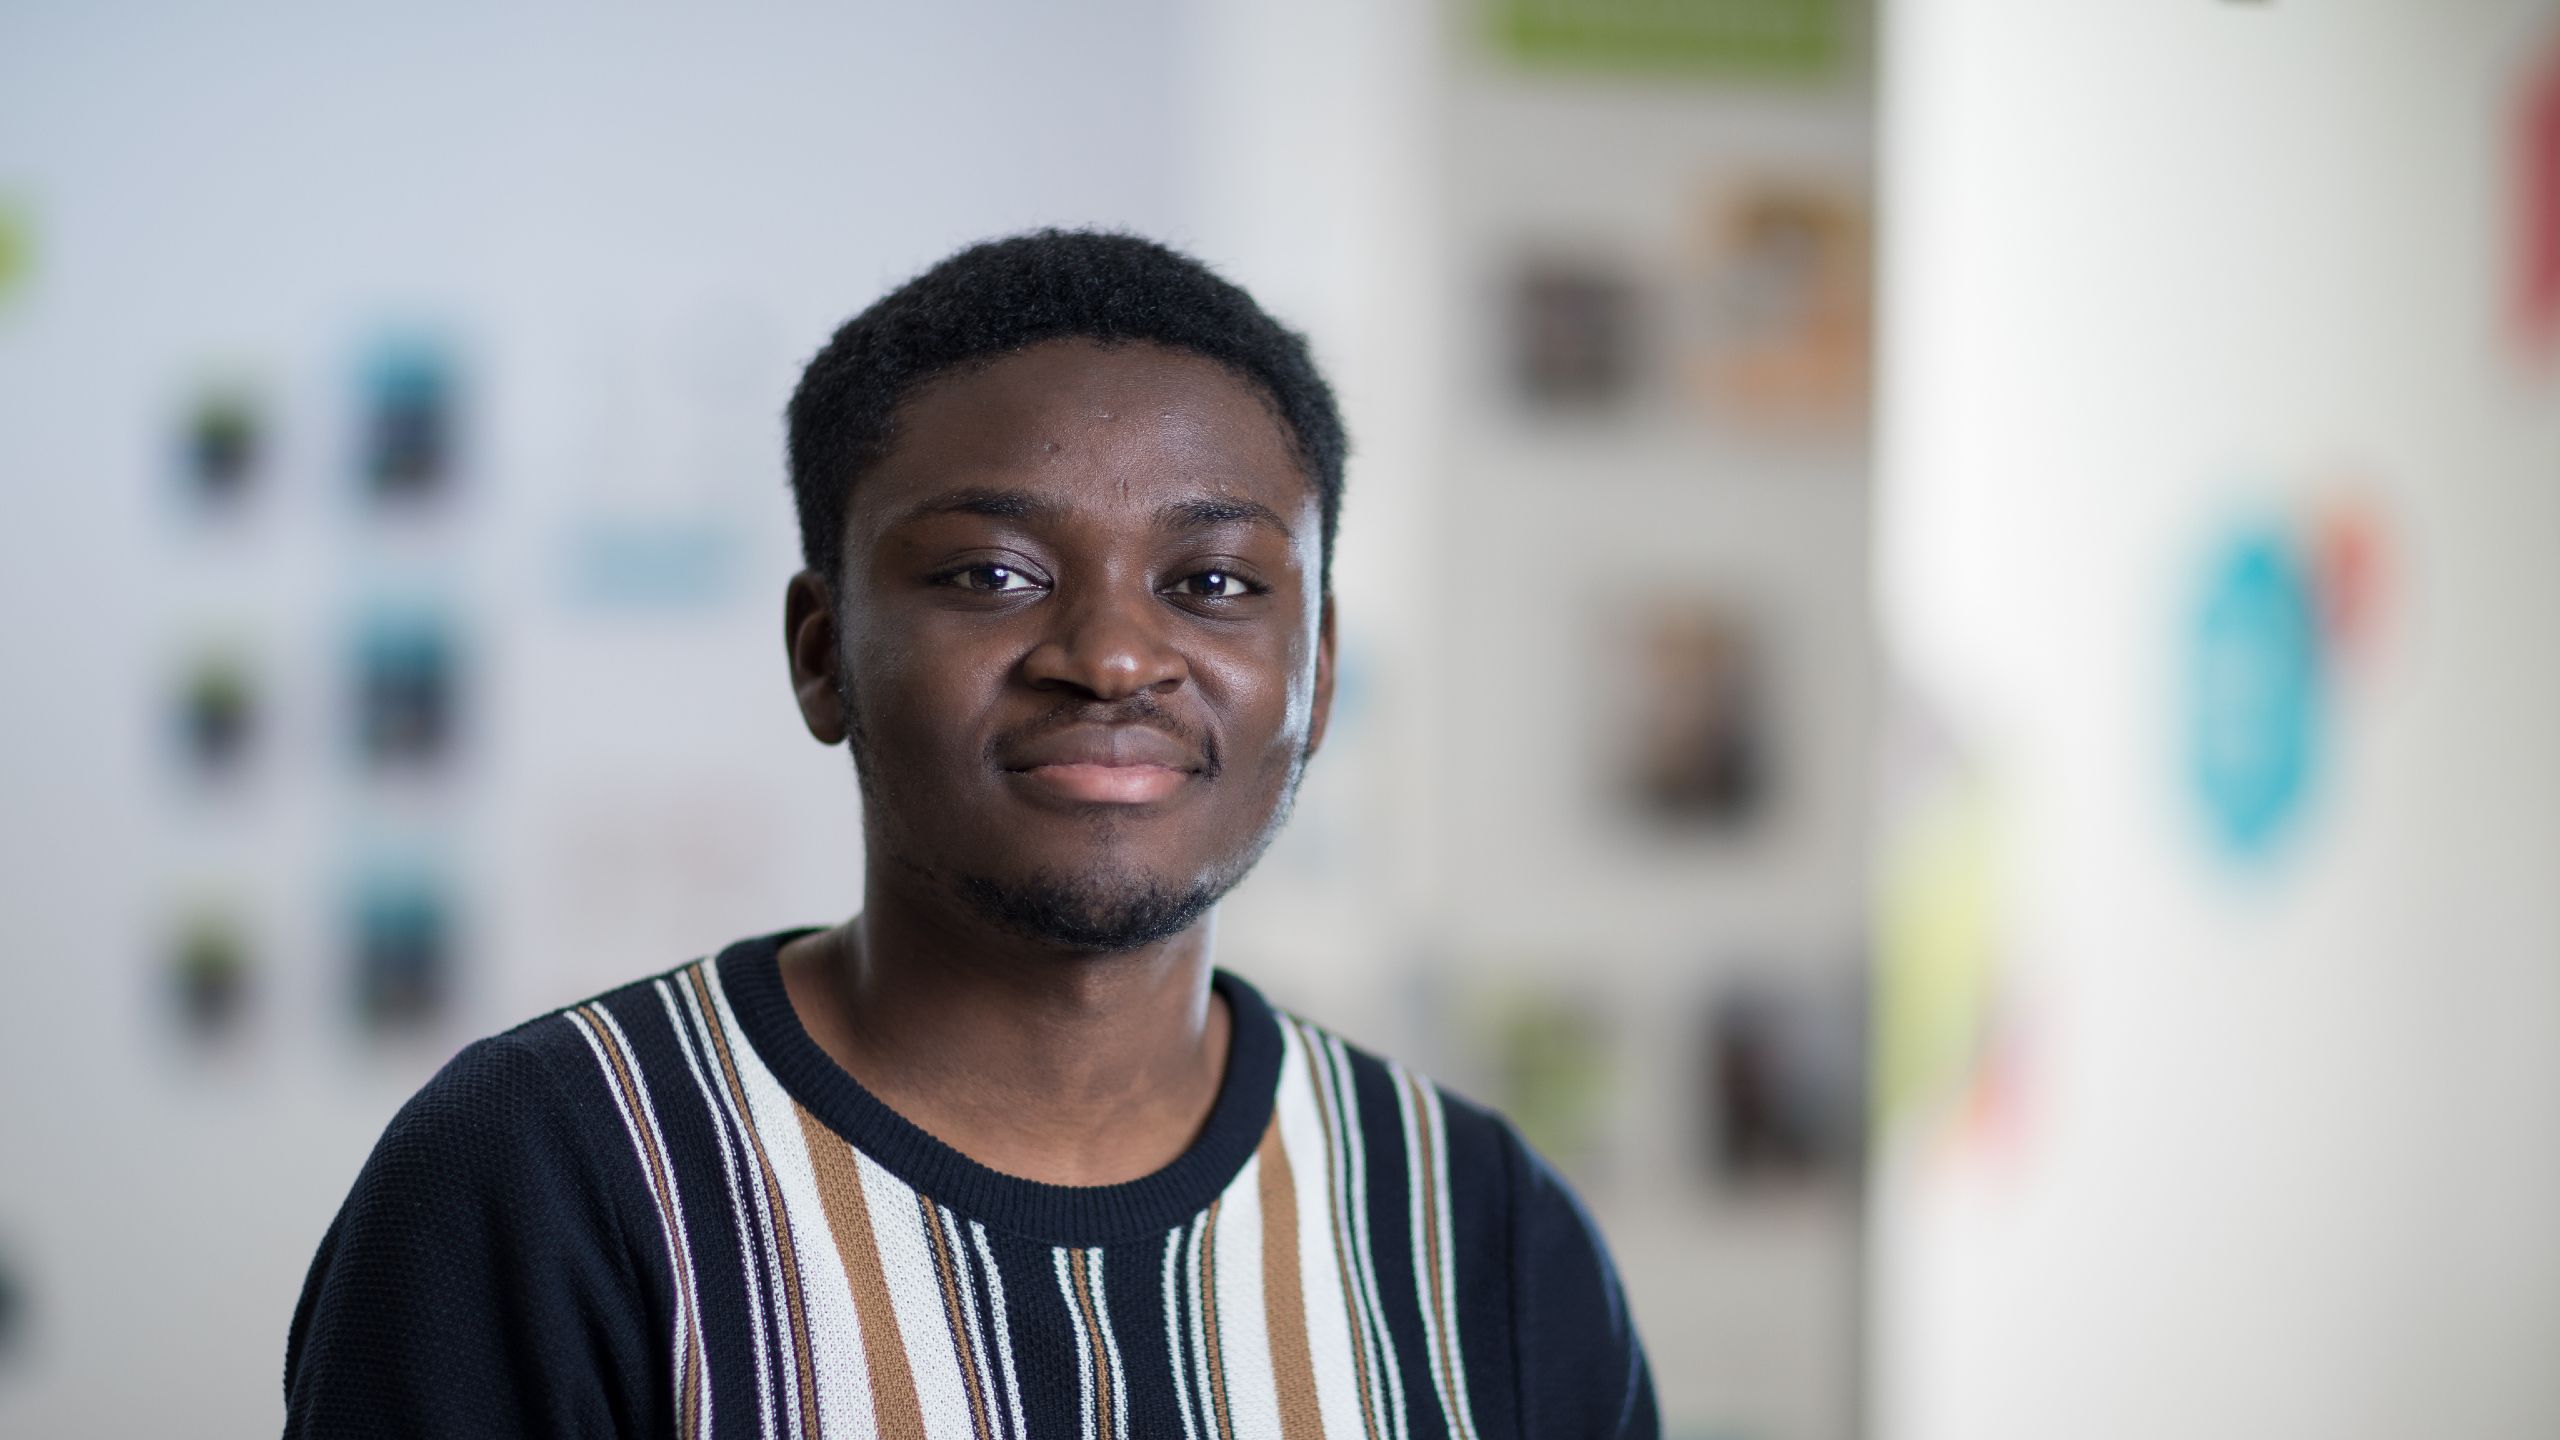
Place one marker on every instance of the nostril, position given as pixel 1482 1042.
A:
pixel 1110 657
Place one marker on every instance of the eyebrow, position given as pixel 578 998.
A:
pixel 1195 514
pixel 1201 514
pixel 993 504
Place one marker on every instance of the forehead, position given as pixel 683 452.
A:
pixel 1101 427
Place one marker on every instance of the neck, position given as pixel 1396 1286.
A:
pixel 1066 1067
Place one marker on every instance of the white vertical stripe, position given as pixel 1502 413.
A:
pixel 1426 1283
pixel 1341 1102
pixel 648 1177
pixel 1173 1347
pixel 675 1198
pixel 1312 1167
pixel 1244 1340
pixel 1084 1342
pixel 1328 1105
pixel 777 1307
pixel 1003 1327
pixel 835 1335
pixel 1465 1422
pixel 1199 1321
pixel 978 1342
pixel 737 1207
pixel 1365 1265
pixel 915 1300
pixel 1110 1343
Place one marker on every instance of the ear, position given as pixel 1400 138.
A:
pixel 1323 707
pixel 809 634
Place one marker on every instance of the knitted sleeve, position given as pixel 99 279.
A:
pixel 1582 1371
pixel 477 1280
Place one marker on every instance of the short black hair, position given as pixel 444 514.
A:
pixel 1001 296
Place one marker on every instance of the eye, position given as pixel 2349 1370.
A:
pixel 991 579
pixel 1213 585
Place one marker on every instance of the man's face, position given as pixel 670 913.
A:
pixel 1078 644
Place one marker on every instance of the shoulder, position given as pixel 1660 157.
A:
pixel 1534 1296
pixel 493 1260
pixel 1470 1149
pixel 527 1114
pixel 1501 1202
pixel 564 1070
pixel 517 1150
pixel 528 1130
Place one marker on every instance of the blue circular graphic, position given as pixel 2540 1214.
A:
pixel 2257 689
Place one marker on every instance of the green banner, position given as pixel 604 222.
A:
pixel 1775 39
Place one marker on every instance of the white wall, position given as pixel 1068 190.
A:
pixel 2285 1141
pixel 636 225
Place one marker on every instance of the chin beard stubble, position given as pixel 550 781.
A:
pixel 1100 911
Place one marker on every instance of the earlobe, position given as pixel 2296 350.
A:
pixel 809 637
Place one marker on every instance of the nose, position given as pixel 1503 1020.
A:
pixel 1108 644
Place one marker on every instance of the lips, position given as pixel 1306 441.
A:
pixel 1103 764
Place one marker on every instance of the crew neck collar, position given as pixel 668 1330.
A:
pixel 750 974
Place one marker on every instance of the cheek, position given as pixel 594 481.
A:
pixel 918 696
pixel 1269 699
pixel 1301 687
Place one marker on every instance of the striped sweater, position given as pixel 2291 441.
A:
pixel 666 1211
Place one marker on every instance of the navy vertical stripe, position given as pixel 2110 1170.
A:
pixel 1391 1240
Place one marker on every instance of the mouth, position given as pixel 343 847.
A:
pixel 1103 765
pixel 1085 783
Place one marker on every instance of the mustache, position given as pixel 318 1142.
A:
pixel 1141 709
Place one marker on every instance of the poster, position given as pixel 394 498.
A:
pixel 1784 1078
pixel 1779 312
pixel 1695 748
pixel 223 447
pixel 210 974
pixel 1575 341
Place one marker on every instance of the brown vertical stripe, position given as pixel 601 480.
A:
pixel 689 1392
pixel 1320 1074
pixel 1284 1306
pixel 962 1343
pixel 805 1367
pixel 1209 1321
pixel 1105 1403
pixel 1434 1309
pixel 895 1411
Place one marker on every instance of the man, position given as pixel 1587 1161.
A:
pixel 1002 1156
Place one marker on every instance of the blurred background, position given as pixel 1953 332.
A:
pixel 1951 630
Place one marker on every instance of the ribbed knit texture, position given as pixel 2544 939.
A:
pixel 667 1212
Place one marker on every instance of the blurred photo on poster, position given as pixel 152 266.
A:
pixel 222 448
pixel 210 975
pixel 1550 1050
pixel 11 1310
pixel 1696 734
pixel 1777 326
pixel 1543 1051
pixel 408 425
pixel 400 949
pixel 217 715
pixel 17 248
pixel 1576 339
pixel 405 688
pixel 2537 206
pixel 1783 1078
